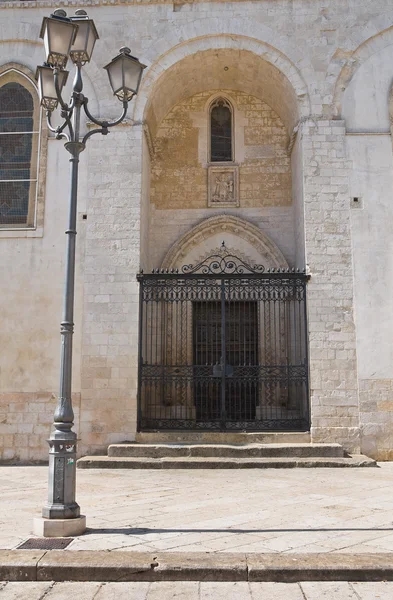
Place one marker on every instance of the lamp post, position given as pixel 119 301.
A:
pixel 72 37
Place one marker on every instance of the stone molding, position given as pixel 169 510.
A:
pixel 149 140
pixel 224 224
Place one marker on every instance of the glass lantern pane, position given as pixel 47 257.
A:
pixel 91 41
pixel 115 72
pixel 47 89
pixel 81 38
pixel 58 38
pixel 132 72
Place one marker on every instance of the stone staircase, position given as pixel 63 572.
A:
pixel 223 451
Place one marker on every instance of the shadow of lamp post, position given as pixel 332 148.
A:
pixel 72 38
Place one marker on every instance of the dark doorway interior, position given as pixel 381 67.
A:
pixel 240 345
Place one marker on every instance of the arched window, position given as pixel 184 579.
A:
pixel 19 140
pixel 221 131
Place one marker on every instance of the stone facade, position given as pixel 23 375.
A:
pixel 310 85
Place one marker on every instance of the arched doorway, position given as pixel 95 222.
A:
pixel 223 342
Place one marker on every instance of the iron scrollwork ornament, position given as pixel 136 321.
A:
pixel 223 263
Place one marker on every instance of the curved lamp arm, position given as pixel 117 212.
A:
pixel 49 121
pixel 101 122
pixel 63 105
pixel 103 130
pixel 60 128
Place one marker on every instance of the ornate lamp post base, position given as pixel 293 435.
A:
pixel 61 514
pixel 59 527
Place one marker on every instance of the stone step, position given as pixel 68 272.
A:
pixel 223 437
pixel 208 462
pixel 169 450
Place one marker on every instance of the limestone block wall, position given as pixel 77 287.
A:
pixel 332 336
pixel 371 218
pixel 179 165
pixel 111 300
pixel 25 425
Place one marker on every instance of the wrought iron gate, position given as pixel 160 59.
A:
pixel 223 346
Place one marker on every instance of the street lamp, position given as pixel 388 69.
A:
pixel 72 37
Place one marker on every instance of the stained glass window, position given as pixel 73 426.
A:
pixel 18 150
pixel 220 131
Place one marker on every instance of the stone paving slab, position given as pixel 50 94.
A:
pixel 192 590
pixel 98 565
pixel 262 511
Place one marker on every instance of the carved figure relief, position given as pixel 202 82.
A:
pixel 223 186
pixel 223 189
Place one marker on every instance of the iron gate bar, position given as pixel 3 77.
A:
pixel 223 355
pixel 177 391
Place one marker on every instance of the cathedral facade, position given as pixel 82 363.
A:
pixel 234 231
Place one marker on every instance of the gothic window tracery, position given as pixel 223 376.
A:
pixel 221 126
pixel 19 133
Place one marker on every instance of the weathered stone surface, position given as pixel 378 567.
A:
pixel 184 462
pixel 201 566
pixel 72 589
pixel 320 567
pixel 87 565
pixel 31 590
pixel 199 510
pixel 19 565
pixel 194 566
pixel 226 450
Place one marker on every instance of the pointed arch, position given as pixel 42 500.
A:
pixel 221 127
pixel 20 133
pixel 223 225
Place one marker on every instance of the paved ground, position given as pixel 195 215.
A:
pixel 189 590
pixel 297 510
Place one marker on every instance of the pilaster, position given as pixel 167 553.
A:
pixel 332 338
pixel 112 256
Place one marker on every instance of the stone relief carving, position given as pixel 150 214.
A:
pixel 223 186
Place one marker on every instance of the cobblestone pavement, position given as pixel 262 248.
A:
pixel 250 510
pixel 190 590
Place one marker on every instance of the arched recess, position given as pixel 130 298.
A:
pixel 241 237
pixel 222 62
pixel 354 61
pixel 209 65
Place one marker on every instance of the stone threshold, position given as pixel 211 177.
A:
pixel 84 565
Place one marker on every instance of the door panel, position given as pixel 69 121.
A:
pixel 241 350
